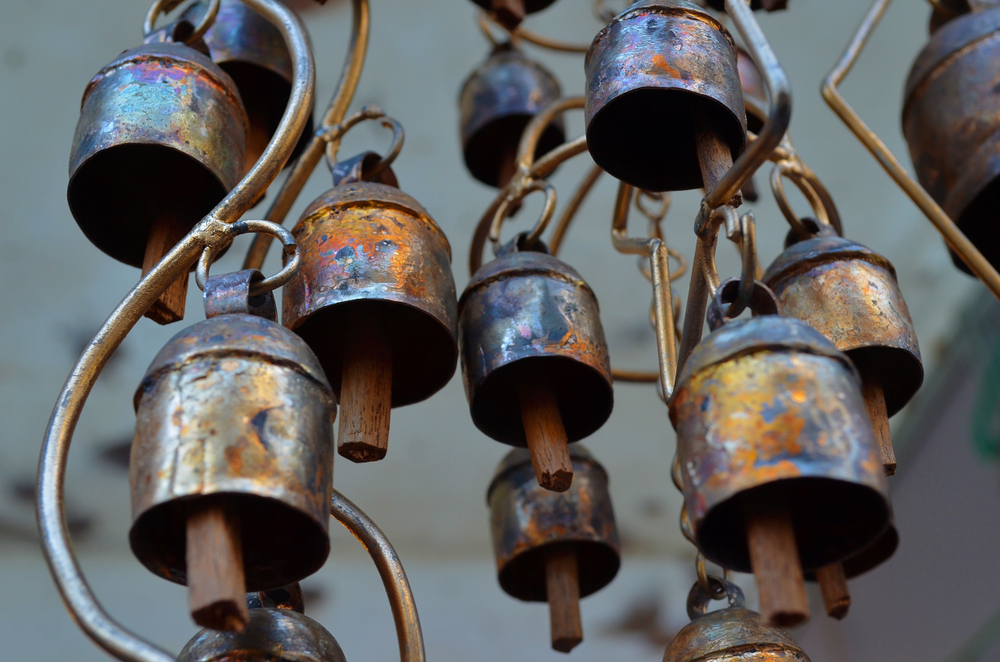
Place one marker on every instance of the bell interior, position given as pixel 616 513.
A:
pixel 833 519
pixel 870 557
pixel 645 137
pixel 524 576
pixel 898 370
pixel 487 148
pixel 585 397
pixel 980 224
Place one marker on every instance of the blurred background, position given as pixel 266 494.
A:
pixel 936 599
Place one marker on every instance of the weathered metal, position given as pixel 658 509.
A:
pixel 769 406
pixel 527 521
pixel 497 101
pixel 230 293
pixel 273 635
pixel 753 86
pixel 162 130
pixel 849 293
pixel 235 407
pixel 527 316
pixel 369 245
pixel 657 65
pixel 284 597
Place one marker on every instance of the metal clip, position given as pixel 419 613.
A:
pixel 230 293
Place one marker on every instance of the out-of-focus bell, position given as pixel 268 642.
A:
pixel 510 13
pixel 767 5
pixel 272 635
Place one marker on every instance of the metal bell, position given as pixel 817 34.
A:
pixel 952 130
pixel 767 5
pixel 273 635
pixel 510 13
pixel 656 70
pixel 497 101
pixel 733 634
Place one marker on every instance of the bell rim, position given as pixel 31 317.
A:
pixel 592 555
pixel 804 255
pixel 518 457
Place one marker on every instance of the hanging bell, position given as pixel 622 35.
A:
pixel 534 357
pixel 951 128
pixel 767 5
pixel 497 101
pixel 554 547
pixel 375 299
pixel 733 634
pixel 232 461
pixel 272 635
pixel 510 13
pixel 662 87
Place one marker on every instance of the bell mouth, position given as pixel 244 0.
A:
pixel 524 576
pixel 978 219
pixel 871 556
pixel 645 137
pixel 897 369
pixel 489 146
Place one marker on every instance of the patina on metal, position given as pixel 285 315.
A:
pixel 753 86
pixel 768 405
pixel 162 130
pixel 284 597
pixel 527 521
pixel 496 103
pixel 849 293
pixel 649 72
pixel 273 635
pixel 527 316
pixel 732 634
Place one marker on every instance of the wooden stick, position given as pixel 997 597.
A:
pixel 833 585
pixel 509 13
pixel 216 587
pixel 774 558
pixel 875 399
pixel 547 442
pixel 562 583
pixel 164 235
pixel 365 391
pixel 714 156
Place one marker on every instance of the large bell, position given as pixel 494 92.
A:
pixel 656 69
pixel 273 635
pixel 497 101
pixel 952 129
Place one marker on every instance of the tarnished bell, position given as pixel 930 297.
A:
pixel 527 521
pixel 497 101
pixel 162 131
pixel 649 72
pixel 849 293
pixel 235 407
pixel 768 406
pixel 369 246
pixel 527 316
pixel 273 635
pixel 530 6
pixel 733 634
pixel 952 125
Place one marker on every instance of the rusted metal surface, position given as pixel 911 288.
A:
pixel 230 293
pixel 952 125
pixel 769 404
pixel 285 597
pixel 497 101
pixel 273 635
pixel 753 86
pixel 527 521
pixel 160 126
pixel 649 71
pixel 371 245
pixel 526 316
pixel 849 293
pixel 235 406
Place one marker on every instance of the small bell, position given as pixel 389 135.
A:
pixel 510 13
pixel 664 103
pixel 767 5
pixel 231 467
pixel 534 358
pixel 554 547
pixel 952 129
pixel 497 101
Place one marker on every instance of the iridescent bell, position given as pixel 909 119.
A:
pixel 662 80
pixel 375 299
pixel 733 634
pixel 232 461
pixel 497 101
pixel 554 547
pixel 952 129
pixel 534 357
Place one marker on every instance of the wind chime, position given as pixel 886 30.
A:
pixel 783 443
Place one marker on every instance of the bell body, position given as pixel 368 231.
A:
pixel 496 103
pixel 162 130
pixel 527 521
pixel 236 408
pixel 528 316
pixel 530 6
pixel 765 406
pixel 849 293
pixel 952 125
pixel 273 635
pixel 649 71
pixel 370 246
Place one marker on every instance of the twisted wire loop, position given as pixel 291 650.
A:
pixel 332 135
pixel 165 6
pixel 291 252
pixel 715 590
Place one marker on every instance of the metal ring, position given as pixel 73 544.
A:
pixel 335 133
pixel 748 274
pixel 698 599
pixel 762 302
pixel 257 227
pixel 165 6
pixel 658 215
pixel 716 591
pixel 394 149
pixel 547 212
pixel 787 169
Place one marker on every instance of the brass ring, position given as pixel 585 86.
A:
pixel 547 212
pixel 165 6
pixel 293 257
pixel 718 591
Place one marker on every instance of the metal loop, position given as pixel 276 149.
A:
pixel 165 6
pixel 747 241
pixel 762 302
pixel 654 216
pixel 714 591
pixel 256 227
pixel 698 598
pixel 686 527
pixel 787 169
pixel 334 134
pixel 547 212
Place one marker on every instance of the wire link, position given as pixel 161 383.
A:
pixel 166 6
pixel 715 591
pixel 291 252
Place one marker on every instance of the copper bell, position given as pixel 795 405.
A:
pixel 497 101
pixel 660 68
pixel 555 547
pixel 273 635
pixel 733 634
pixel 952 129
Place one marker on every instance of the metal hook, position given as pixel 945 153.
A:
pixel 165 6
